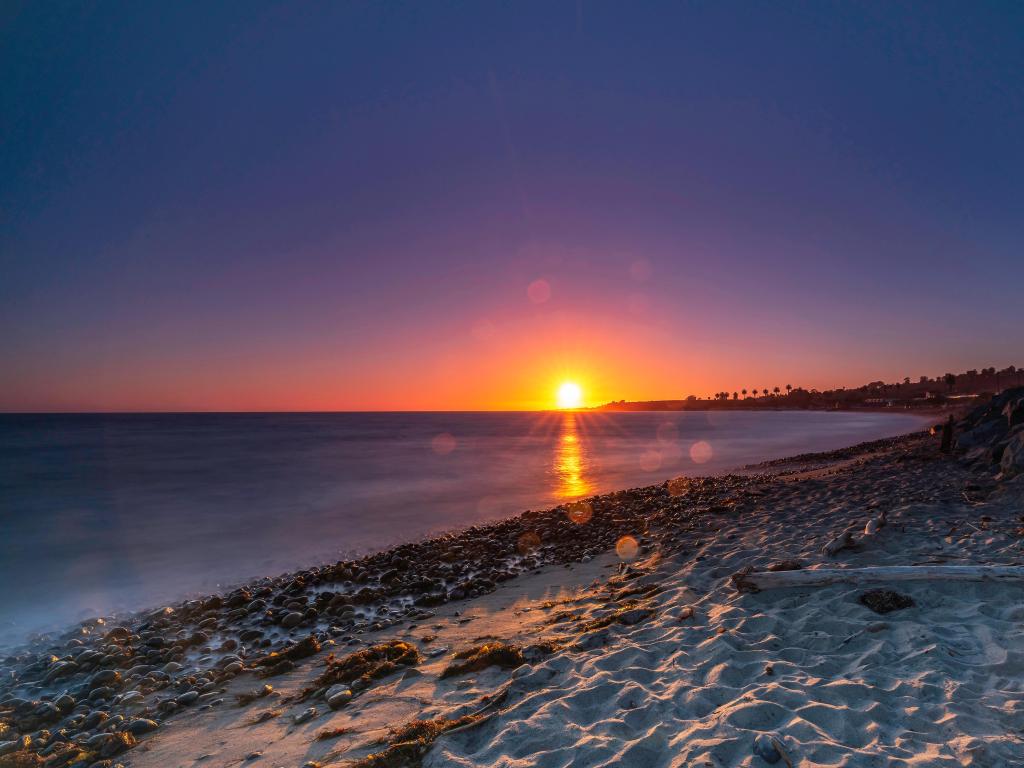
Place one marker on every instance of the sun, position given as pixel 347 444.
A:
pixel 570 395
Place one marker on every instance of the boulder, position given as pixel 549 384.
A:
pixel 1012 461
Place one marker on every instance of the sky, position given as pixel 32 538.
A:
pixel 446 206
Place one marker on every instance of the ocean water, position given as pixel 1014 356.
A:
pixel 102 513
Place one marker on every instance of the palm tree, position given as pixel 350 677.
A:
pixel 789 389
pixel 775 391
pixel 765 391
pixel 735 395
pixel 744 394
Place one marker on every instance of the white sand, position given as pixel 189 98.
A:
pixel 937 684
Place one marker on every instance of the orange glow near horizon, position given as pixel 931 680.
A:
pixel 570 395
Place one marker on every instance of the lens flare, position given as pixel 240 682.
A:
pixel 539 291
pixel 627 548
pixel 701 452
pixel 579 512
pixel 527 543
pixel 443 444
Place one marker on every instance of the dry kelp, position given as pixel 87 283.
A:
pixel 284 660
pixel 366 665
pixel 408 744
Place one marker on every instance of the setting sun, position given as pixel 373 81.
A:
pixel 570 395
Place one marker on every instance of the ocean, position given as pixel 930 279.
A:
pixel 105 513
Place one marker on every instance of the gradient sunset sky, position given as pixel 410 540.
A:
pixel 249 206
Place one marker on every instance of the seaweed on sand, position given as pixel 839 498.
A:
pixel 368 664
pixel 332 733
pixel 408 744
pixel 631 613
pixel 302 649
pixel 479 657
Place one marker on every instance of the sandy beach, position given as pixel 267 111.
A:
pixel 609 632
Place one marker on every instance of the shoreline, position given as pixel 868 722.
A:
pixel 187 662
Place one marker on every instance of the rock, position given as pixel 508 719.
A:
pixel 132 698
pixel 336 699
pixel 187 698
pixel 6 747
pixel 1014 412
pixel 105 677
pixel 885 600
pixel 292 619
pixel 767 748
pixel 306 716
pixel 171 667
pixel 141 726
pixel 983 434
pixel 110 744
pixel 1012 461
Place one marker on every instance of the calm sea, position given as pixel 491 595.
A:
pixel 100 513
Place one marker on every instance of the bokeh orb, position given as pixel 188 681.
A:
pixel 527 543
pixel 443 444
pixel 701 452
pixel 667 432
pixel 539 291
pixel 579 512
pixel 650 461
pixel 627 548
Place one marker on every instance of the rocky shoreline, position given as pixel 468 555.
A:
pixel 84 697
pixel 87 696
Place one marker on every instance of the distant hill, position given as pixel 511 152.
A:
pixel 925 392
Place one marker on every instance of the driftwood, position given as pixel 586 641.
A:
pixel 749 580
pixel 875 524
pixel 843 541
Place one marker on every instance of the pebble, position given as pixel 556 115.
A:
pixel 292 619
pixel 306 716
pixel 767 748
pixel 338 696
pixel 142 725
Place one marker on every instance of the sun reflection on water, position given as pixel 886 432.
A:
pixel 571 462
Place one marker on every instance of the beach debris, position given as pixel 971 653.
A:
pixel 250 696
pixel 686 612
pixel 504 655
pixel 304 648
pixel 264 716
pixel 875 524
pixel 843 541
pixel 885 600
pixel 764 747
pixel 749 580
pixel 628 616
pixel 408 744
pixel 360 668
pixel 784 565
pixel 770 749
pixel 332 733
